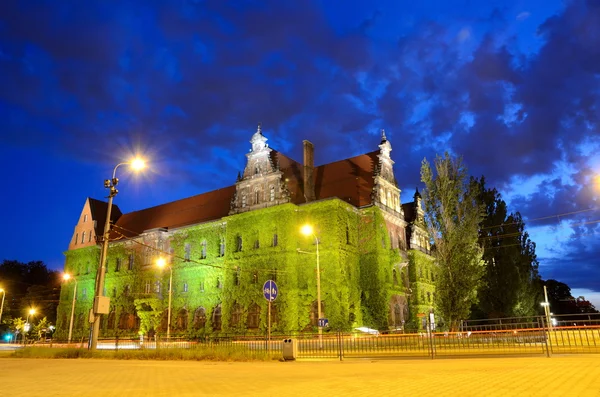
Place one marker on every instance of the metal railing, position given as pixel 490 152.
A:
pixel 507 336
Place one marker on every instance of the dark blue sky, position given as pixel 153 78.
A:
pixel 514 87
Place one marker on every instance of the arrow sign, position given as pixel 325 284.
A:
pixel 270 290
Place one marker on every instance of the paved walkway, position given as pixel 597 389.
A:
pixel 577 375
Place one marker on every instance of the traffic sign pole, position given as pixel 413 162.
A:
pixel 270 292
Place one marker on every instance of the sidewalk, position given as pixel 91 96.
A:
pixel 576 375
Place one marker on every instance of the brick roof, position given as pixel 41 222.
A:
pixel 350 180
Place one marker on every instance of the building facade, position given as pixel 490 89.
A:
pixel 223 245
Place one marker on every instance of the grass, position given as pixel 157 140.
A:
pixel 218 353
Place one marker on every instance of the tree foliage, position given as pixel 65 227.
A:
pixel 511 283
pixel 453 214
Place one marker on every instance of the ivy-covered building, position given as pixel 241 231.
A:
pixel 223 245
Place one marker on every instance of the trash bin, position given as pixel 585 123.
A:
pixel 290 349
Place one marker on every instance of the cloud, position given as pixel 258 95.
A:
pixel 523 16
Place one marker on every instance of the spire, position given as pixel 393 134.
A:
pixel 383 137
pixel 417 194
pixel 258 130
pixel 239 177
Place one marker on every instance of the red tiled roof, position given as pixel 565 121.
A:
pixel 350 180
pixel 192 210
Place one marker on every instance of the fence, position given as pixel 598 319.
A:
pixel 507 336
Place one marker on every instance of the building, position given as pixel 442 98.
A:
pixel 223 245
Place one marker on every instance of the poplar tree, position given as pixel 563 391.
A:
pixel 452 215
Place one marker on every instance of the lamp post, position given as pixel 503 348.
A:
pixel 136 164
pixel 67 277
pixel 546 305
pixel 307 230
pixel 31 312
pixel 2 305
pixel 162 263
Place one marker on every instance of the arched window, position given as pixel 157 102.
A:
pixel 253 316
pixel 397 315
pixel 256 196
pixel 236 314
pixel 389 199
pixel 200 318
pixel 203 250
pixel 182 320
pixel 243 200
pixel 272 193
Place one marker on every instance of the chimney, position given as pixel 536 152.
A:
pixel 309 166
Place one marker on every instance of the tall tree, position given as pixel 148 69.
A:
pixel 511 283
pixel 453 214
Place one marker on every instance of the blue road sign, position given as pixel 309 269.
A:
pixel 270 290
pixel 323 322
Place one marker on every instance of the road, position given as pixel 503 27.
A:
pixel 575 375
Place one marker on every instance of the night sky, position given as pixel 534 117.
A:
pixel 513 86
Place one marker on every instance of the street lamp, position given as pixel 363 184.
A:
pixel 67 277
pixel 307 230
pixel 546 306
pixel 31 312
pixel 2 305
pixel 101 303
pixel 162 263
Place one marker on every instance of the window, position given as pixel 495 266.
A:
pixel 157 287
pixel 130 266
pixel 256 170
pixel 239 243
pixel 147 288
pixel 391 240
pixel 256 196
pixel 255 277
pixel 236 314
pixel 243 200
pixel 389 199
pixel 82 237
pixel 216 318
pixel 274 314
pixel 76 238
pixel 395 276
pixel 422 296
pixel 429 297
pixel 201 285
pixel 182 320
pixel 222 247
pixel 185 287
pixel 84 293
pixel 347 234
pixel 85 218
pixel 90 237
pixel 256 244
pixel 219 283
pixel 203 251
pixel 275 240
pixel 199 318
pixel 253 316
pixel 118 265
pixel 188 251
pixel 236 276
pixel 272 193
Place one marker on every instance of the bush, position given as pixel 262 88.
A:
pixel 215 353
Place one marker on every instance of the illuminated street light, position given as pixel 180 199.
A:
pixel 67 277
pixel 26 326
pixel 102 303
pixel 546 306
pixel 308 231
pixel 162 263
pixel 2 305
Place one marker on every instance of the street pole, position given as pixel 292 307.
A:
pixel 269 329
pixel 547 308
pixel 169 310
pixel 72 313
pixel 319 296
pixel 2 306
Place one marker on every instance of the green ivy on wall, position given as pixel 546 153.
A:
pixel 222 265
